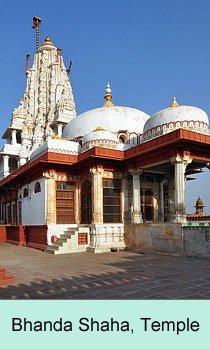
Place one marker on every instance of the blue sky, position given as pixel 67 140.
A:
pixel 149 50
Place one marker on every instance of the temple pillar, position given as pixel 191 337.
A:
pixel 6 165
pixel 50 197
pixel 97 195
pixel 60 130
pixel 136 216
pixel 171 209
pixel 180 163
pixel 77 206
pixel 161 202
pixel 125 203
pixel 14 137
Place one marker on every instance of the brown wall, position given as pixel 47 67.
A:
pixel 165 238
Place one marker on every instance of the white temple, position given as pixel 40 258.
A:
pixel 90 182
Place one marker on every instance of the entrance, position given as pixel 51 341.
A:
pixel 147 207
pixel 86 203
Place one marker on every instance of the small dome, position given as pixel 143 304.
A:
pixel 177 116
pixel 100 137
pixel 47 44
pixel 199 202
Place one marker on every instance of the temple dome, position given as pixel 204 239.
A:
pixel 177 116
pixel 109 117
pixel 100 137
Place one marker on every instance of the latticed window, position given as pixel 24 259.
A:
pixel 37 187
pixel 86 202
pixel 147 205
pixel 111 201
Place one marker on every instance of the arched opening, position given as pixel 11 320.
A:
pixel 37 187
pixel 86 203
pixel 122 138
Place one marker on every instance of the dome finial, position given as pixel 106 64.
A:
pixel 108 96
pixel 174 103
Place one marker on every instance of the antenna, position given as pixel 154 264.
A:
pixel 36 23
pixel 69 68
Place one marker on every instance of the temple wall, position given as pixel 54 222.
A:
pixel 34 203
pixel 163 238
pixel 197 242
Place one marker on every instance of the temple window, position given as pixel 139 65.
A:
pixel 122 138
pixel 111 201
pixel 13 164
pixel 25 193
pixel 147 205
pixel 37 187
pixel 18 137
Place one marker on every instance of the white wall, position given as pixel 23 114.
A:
pixel 34 206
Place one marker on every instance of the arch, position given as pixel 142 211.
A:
pixel 122 138
pixel 133 138
pixel 37 187
pixel 86 202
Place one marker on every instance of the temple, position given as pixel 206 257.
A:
pixel 74 183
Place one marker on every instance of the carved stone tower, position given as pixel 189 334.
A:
pixel 46 107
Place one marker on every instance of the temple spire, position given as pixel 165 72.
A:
pixel 174 103
pixel 108 96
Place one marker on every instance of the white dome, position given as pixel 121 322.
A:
pixel 178 116
pixel 112 118
pixel 100 135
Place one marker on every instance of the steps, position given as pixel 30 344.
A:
pixel 5 278
pixel 66 243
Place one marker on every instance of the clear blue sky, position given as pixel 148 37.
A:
pixel 149 50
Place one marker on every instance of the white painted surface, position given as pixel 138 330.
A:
pixel 34 206
pixel 111 118
pixel 56 146
pixel 176 114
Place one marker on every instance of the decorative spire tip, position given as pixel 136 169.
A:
pixel 174 103
pixel 108 96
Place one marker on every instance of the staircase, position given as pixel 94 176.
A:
pixel 66 243
pixel 5 278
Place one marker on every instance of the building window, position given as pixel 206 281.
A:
pixel 147 205
pixel 8 214
pixel 111 201
pixel 37 187
pixel 86 202
pixel 2 216
pixel 64 203
pixel 14 214
pixel 25 193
